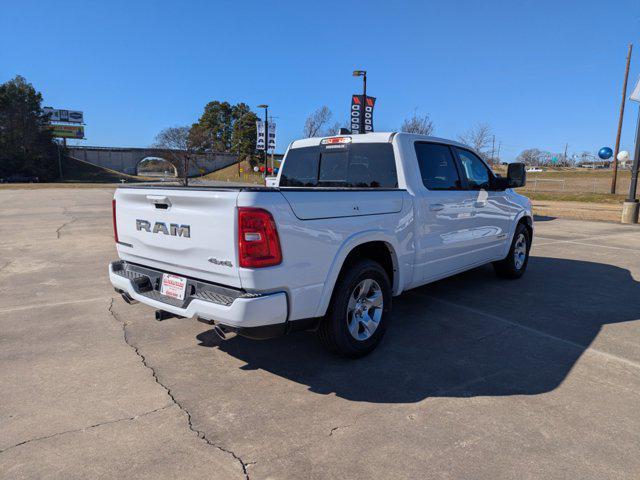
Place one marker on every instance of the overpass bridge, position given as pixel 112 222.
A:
pixel 126 160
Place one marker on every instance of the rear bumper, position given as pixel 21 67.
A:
pixel 233 309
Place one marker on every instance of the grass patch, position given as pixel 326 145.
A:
pixel 230 174
pixel 576 197
pixel 79 171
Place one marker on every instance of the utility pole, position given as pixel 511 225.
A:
pixel 493 149
pixel 566 147
pixel 617 146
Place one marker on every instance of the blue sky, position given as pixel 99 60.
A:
pixel 541 73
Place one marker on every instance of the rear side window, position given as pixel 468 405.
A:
pixel 300 168
pixel 360 165
pixel 437 166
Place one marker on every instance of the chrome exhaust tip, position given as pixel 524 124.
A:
pixel 127 298
pixel 163 315
pixel 219 332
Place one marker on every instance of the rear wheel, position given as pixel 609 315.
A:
pixel 515 263
pixel 356 319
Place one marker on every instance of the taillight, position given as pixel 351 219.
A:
pixel 258 242
pixel 115 225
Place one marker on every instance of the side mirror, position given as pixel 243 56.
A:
pixel 516 175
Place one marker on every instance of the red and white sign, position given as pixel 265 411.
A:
pixel 173 286
pixel 362 113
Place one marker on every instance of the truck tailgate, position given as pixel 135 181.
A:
pixel 184 231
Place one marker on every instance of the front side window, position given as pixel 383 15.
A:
pixel 360 165
pixel 437 166
pixel 477 173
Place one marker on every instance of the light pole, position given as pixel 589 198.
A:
pixel 266 134
pixel 630 205
pixel 363 74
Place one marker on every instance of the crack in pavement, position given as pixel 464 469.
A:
pixel 66 224
pixel 200 434
pixel 339 427
pixel 96 425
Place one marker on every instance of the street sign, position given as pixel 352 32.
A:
pixel 271 142
pixel 67 131
pixel 260 140
pixel 635 96
pixel 57 115
pixel 362 114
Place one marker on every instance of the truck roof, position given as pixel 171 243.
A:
pixel 375 137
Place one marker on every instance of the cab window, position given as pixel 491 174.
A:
pixel 437 166
pixel 474 169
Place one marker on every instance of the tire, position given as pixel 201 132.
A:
pixel 356 319
pixel 515 263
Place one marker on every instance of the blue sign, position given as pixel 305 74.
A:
pixel 605 153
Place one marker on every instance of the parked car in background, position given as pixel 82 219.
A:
pixel 352 221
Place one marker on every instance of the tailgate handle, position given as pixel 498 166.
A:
pixel 161 202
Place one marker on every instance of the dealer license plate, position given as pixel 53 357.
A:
pixel 173 286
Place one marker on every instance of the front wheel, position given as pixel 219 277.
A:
pixel 516 261
pixel 356 319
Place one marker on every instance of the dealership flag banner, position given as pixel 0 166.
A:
pixel 362 114
pixel 271 143
pixel 260 140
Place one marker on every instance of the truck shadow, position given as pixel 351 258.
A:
pixel 469 335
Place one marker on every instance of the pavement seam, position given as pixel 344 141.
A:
pixel 592 237
pixel 584 348
pixel 199 433
pixel 95 425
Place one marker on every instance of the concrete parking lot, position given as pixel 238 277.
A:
pixel 477 378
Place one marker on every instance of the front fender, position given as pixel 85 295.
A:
pixel 343 252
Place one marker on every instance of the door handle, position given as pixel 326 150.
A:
pixel 160 202
pixel 435 207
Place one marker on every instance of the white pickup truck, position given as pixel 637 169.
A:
pixel 352 222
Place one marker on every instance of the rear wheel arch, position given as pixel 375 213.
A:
pixel 380 251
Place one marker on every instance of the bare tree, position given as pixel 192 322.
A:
pixel 531 156
pixel 418 124
pixel 332 130
pixel 316 122
pixel 479 138
pixel 180 143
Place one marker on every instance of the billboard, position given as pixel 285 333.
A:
pixel 67 131
pixel 57 115
pixel 362 114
